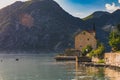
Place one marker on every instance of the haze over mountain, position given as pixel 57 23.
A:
pixel 44 25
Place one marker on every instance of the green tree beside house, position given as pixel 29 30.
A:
pixel 99 52
pixel 114 39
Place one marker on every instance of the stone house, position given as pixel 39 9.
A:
pixel 84 38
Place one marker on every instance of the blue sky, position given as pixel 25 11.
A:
pixel 79 8
pixel 82 8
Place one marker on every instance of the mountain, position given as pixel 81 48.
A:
pixel 104 23
pixel 101 19
pixel 96 14
pixel 37 24
pixel 44 25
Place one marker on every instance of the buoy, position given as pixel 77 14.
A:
pixel 17 59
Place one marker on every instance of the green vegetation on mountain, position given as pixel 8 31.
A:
pixel 88 17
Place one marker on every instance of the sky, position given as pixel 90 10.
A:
pixel 79 8
pixel 83 8
pixel 4 3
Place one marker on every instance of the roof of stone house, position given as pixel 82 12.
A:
pixel 92 31
pixel 79 32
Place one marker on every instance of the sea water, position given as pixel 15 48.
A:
pixel 43 66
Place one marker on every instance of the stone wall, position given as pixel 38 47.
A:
pixel 112 59
pixel 95 60
pixel 83 59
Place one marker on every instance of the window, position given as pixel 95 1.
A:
pixel 88 39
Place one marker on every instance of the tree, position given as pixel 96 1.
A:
pixel 114 39
pixel 86 50
pixel 99 52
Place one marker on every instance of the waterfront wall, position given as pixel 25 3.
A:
pixel 95 60
pixel 112 59
pixel 83 59
pixel 73 58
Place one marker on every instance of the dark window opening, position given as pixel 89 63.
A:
pixel 88 39
pixel 80 46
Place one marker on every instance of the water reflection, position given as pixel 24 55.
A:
pixel 112 74
pixel 44 67
pixel 94 73
pixel 85 73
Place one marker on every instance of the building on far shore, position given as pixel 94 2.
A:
pixel 85 38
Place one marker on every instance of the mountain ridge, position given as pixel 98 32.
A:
pixel 33 25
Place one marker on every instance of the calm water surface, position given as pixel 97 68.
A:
pixel 44 67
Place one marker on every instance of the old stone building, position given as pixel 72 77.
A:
pixel 84 38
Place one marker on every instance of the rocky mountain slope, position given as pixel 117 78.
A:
pixel 37 24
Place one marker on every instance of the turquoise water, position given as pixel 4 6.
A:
pixel 44 67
